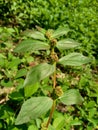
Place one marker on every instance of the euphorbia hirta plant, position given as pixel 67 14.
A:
pixel 48 40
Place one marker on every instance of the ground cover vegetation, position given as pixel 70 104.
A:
pixel 72 85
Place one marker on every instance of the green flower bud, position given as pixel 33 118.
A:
pixel 58 91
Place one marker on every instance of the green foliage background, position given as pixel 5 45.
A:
pixel 81 17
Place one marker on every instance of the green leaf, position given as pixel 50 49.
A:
pixel 2 61
pixel 59 32
pixel 74 59
pixel 6 111
pixel 2 56
pixel 30 90
pixel 14 63
pixel 20 73
pixel 38 73
pixel 31 45
pixel 14 128
pixel 51 127
pixel 34 34
pixel 16 96
pixel 38 122
pixel 32 127
pixel 66 44
pixel 33 108
pixel 76 122
pixel 42 30
pixel 59 122
pixel 6 83
pixel 71 97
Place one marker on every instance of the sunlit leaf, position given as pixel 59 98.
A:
pixel 71 97
pixel 34 34
pixel 51 127
pixel 59 32
pixel 32 127
pixel 21 72
pixel 38 73
pixel 2 56
pixel 66 44
pixel 29 90
pixel 2 61
pixel 42 30
pixel 76 122
pixel 74 59
pixel 59 122
pixel 33 108
pixel 30 45
pixel 15 62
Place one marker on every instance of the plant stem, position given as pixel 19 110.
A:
pixel 54 78
pixel 54 101
pixel 51 113
pixel 54 85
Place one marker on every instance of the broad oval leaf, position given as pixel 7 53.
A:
pixel 60 32
pixel 33 108
pixel 30 45
pixel 38 73
pixel 66 44
pixel 71 97
pixel 74 59
pixel 34 34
